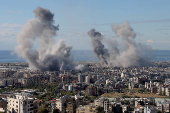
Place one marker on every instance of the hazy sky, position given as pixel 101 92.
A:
pixel 150 19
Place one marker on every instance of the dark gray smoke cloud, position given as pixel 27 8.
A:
pixel 98 47
pixel 49 56
pixel 133 54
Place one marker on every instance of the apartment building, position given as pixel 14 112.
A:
pixel 86 109
pixel 91 91
pixel 163 106
pixel 103 102
pixel 19 104
pixel 60 104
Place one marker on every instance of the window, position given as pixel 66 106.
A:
pixel 31 105
pixel 31 109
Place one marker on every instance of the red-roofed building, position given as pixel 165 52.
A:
pixel 139 109
pixel 53 100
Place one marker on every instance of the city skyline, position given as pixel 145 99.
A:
pixel 91 56
pixel 150 20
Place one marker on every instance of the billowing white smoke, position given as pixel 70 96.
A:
pixel 49 56
pixel 133 54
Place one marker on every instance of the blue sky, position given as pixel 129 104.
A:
pixel 149 19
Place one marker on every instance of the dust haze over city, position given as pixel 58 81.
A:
pixel 84 56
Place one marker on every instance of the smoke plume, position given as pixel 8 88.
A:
pixel 49 56
pixel 98 47
pixel 132 55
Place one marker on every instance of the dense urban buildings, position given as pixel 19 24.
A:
pixel 105 89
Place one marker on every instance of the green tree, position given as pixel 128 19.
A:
pixel 99 91
pixel 43 110
pixel 56 110
pixel 100 109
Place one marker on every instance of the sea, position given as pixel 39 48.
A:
pixel 81 55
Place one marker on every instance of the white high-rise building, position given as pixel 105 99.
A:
pixel 108 81
pixel 87 79
pixel 20 104
pixel 70 87
pixel 60 104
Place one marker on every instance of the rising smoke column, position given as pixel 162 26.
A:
pixel 132 55
pixel 49 56
pixel 98 47
pixel 113 50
